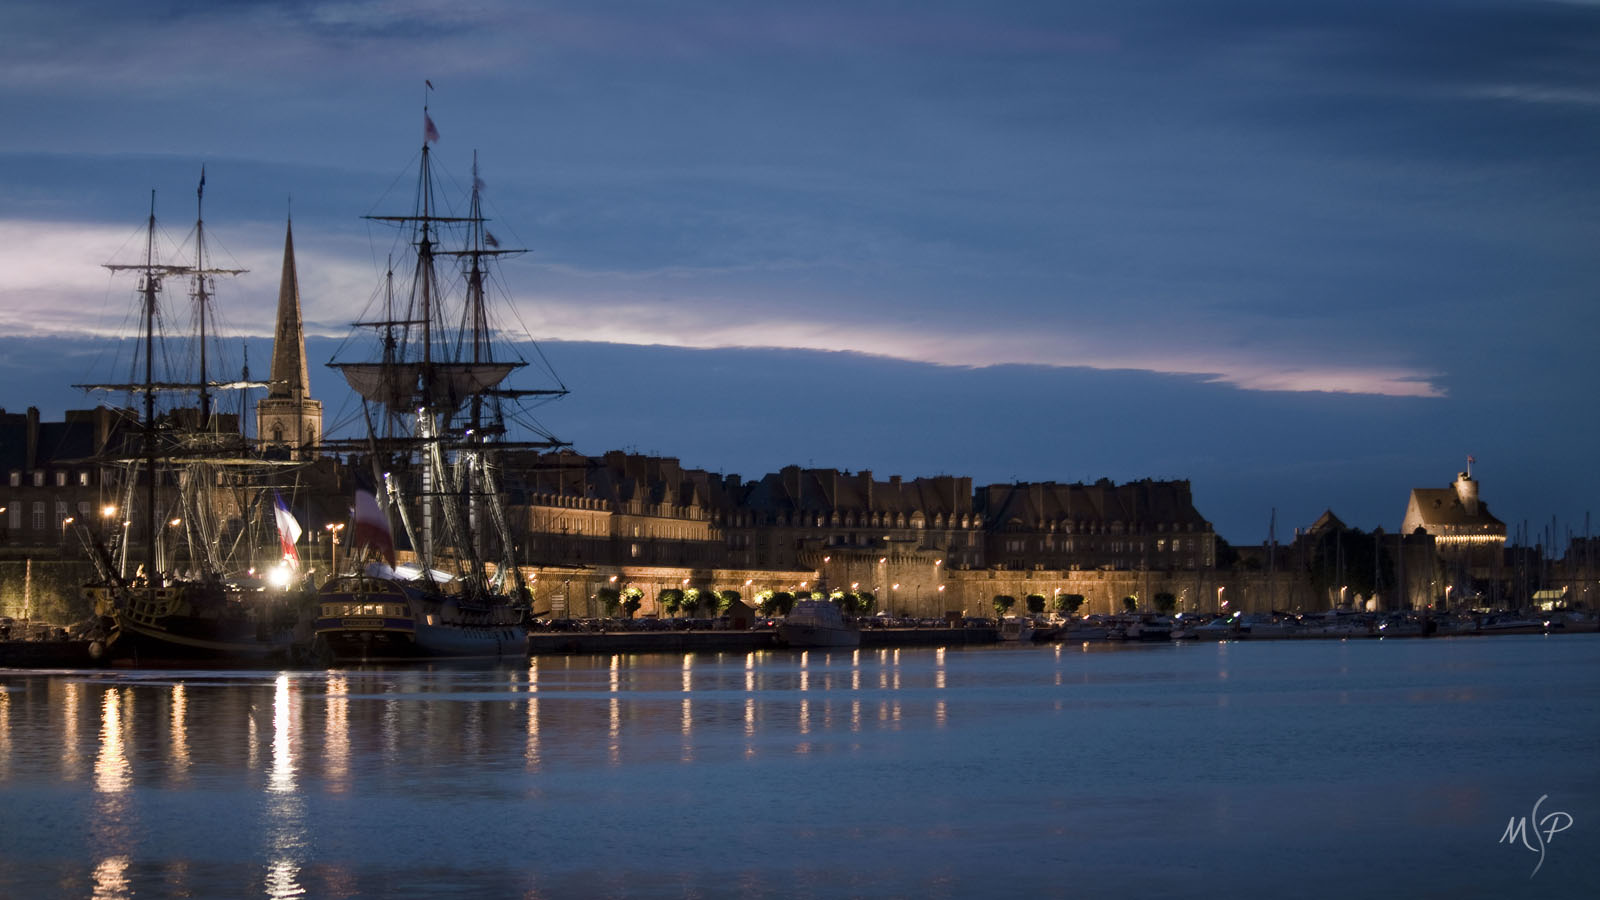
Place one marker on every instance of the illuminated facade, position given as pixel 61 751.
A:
pixel 1464 532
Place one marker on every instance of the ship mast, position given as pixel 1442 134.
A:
pixel 450 393
pixel 150 275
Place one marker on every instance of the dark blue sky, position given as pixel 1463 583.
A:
pixel 1307 255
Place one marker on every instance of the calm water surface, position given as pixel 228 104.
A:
pixel 1314 769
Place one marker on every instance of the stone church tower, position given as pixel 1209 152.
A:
pixel 287 417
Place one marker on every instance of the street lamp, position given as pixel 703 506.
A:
pixel 1221 602
pixel 64 523
pixel 333 551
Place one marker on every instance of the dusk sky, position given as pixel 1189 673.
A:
pixel 1306 255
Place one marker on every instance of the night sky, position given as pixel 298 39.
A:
pixel 1307 255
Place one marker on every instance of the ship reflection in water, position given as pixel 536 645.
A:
pixel 1282 769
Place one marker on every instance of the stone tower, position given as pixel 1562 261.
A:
pixel 287 417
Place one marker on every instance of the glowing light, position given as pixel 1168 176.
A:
pixel 279 577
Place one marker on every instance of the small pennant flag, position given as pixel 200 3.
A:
pixel 430 134
pixel 488 238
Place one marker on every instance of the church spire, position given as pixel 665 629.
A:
pixel 289 375
pixel 288 417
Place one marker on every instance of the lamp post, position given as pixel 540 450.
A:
pixel 64 523
pixel 333 549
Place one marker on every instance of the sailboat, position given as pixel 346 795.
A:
pixel 434 396
pixel 177 604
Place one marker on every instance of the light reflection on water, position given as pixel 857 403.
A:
pixel 911 771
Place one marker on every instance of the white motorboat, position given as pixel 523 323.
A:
pixel 817 623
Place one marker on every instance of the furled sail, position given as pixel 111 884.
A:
pixel 440 386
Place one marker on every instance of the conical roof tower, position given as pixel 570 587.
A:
pixel 287 417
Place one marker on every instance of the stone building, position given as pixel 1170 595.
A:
pixel 1139 525
pixel 52 474
pixel 894 539
pixel 624 521
pixel 1468 539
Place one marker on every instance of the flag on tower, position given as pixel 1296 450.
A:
pixel 288 529
pixel 430 134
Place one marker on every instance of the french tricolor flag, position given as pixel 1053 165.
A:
pixel 288 529
pixel 372 527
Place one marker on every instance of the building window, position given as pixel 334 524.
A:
pixel 634 550
pixel 38 479
pixel 16 478
pixel 61 513
pixel 14 516
pixel 61 479
pixel 83 479
pixel 38 515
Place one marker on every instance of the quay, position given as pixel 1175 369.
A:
pixel 541 643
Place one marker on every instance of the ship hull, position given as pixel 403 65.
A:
pixel 190 623
pixel 364 619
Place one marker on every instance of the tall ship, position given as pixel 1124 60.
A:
pixel 441 418
pixel 174 554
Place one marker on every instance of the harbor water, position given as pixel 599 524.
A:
pixel 1392 768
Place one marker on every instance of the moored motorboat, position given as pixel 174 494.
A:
pixel 1016 629
pixel 817 623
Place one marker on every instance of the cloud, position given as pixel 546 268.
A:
pixel 51 282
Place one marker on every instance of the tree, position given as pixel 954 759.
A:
pixel 1165 603
pixel 783 601
pixel 766 603
pixel 632 599
pixel 691 601
pixel 1069 604
pixel 866 602
pixel 671 600
pixel 610 598
pixel 726 600
pixel 1035 604
pixel 1347 558
pixel 1130 604
pixel 1226 556
pixel 1003 604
